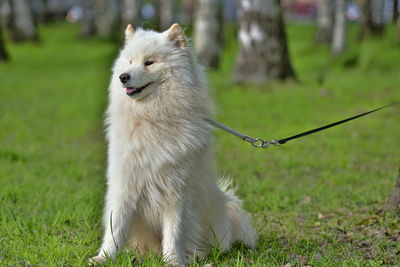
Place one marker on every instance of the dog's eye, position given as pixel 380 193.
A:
pixel 148 63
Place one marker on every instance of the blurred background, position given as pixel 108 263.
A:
pixel 275 68
pixel 256 22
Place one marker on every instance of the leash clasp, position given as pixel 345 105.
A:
pixel 258 142
pixel 275 142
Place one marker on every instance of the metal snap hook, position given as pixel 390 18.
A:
pixel 258 143
pixel 266 144
pixel 275 143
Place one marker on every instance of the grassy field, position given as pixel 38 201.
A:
pixel 315 201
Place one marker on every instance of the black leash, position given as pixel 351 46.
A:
pixel 283 141
pixel 258 142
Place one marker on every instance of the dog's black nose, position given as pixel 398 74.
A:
pixel 124 77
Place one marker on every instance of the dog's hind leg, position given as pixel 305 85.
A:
pixel 240 225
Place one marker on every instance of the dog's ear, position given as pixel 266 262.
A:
pixel 176 35
pixel 129 32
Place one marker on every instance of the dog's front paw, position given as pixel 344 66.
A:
pixel 97 260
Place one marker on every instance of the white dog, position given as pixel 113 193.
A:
pixel 162 191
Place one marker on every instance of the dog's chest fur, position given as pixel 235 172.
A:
pixel 153 154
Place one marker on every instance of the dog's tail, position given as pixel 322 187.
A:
pixel 240 225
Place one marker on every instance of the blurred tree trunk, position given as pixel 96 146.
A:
pixel 377 16
pixel 164 13
pixel 339 29
pixel 22 24
pixel 39 7
pixel 263 53
pixel 106 17
pixel 5 10
pixel 371 18
pixel 188 10
pixel 88 28
pixel 395 11
pixel 3 52
pixel 398 28
pixel 208 32
pixel 324 22
pixel 394 201
pixel 365 18
pixel 130 13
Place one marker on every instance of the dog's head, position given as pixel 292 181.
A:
pixel 148 59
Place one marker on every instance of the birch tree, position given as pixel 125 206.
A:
pixel 398 28
pixel 3 52
pixel 188 10
pixel 324 21
pixel 164 13
pixel 377 22
pixel 263 53
pixel 88 28
pixel 39 8
pixel 106 17
pixel 22 22
pixel 207 32
pixel 339 29
pixel 371 18
pixel 130 13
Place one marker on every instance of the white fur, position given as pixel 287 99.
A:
pixel 162 191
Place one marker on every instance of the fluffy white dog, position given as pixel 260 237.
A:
pixel 162 190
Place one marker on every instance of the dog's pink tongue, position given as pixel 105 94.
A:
pixel 130 89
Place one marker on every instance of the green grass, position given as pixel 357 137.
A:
pixel 317 200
